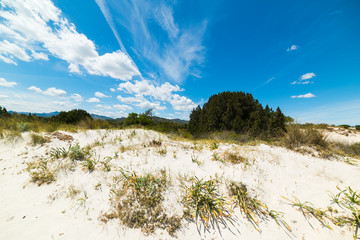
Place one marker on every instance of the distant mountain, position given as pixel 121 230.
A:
pixel 95 116
pixel 50 114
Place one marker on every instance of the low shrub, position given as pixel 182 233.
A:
pixel 297 137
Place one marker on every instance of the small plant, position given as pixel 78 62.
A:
pixel 307 209
pixel 40 172
pixel 252 208
pixel 89 164
pixel 348 200
pixel 162 151
pixel 216 157
pixel 234 158
pixel 155 143
pixel 204 202
pixel 195 159
pixel 57 153
pixel 106 164
pixel 78 153
pixel 38 139
pixel 214 145
pixel 73 191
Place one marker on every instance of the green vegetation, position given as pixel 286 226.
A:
pixel 252 208
pixel 38 139
pixel 238 112
pixel 137 203
pixel 203 202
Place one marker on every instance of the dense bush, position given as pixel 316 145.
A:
pixel 357 127
pixel 72 117
pixel 238 112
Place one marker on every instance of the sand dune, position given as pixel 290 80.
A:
pixel 57 211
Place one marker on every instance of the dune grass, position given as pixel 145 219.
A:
pixel 204 203
pixel 137 201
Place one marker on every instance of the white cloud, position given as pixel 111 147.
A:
pixel 12 50
pixel 307 76
pixel 269 80
pixel 100 95
pixel 39 56
pixel 35 89
pixel 141 102
pixel 112 89
pixel 54 92
pixel 292 48
pixel 162 92
pixel 5 83
pixel 304 79
pixel 2 96
pixel 93 100
pixel 122 107
pixel 164 16
pixel 77 97
pixel 39 25
pixel 308 95
pixel 181 103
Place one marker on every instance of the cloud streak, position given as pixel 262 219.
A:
pixel 308 95
pixel 176 52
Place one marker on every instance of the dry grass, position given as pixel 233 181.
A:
pixel 41 172
pixel 137 203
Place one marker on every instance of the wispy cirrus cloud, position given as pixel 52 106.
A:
pixel 308 95
pixel 305 78
pixel 33 30
pixel 177 52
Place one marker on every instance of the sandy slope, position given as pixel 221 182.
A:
pixel 45 212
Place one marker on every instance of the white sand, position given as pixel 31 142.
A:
pixel 45 212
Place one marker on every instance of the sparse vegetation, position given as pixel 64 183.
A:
pixel 348 200
pixel 40 172
pixel 234 158
pixel 253 209
pixel 38 139
pixel 203 202
pixel 137 202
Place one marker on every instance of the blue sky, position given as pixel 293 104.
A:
pixel 112 57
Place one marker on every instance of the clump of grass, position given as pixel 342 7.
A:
pixel 38 139
pixel 203 202
pixel 106 164
pixel 217 157
pixel 78 153
pixel 73 191
pixel 352 150
pixel 253 209
pixel 137 202
pixel 155 143
pixel 348 200
pixel 162 152
pixel 297 137
pixel 57 153
pixel 195 159
pixel 89 164
pixel 234 158
pixel 40 172
pixel 307 209
pixel 214 145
